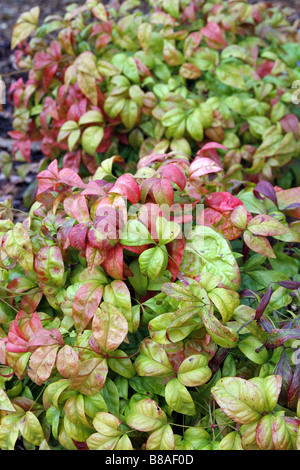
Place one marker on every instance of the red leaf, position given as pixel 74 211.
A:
pixel 71 160
pixel 214 35
pixel 127 186
pixel 78 236
pixel 55 50
pixel 175 251
pixel 42 60
pixel 162 192
pixel 222 201
pixel 172 173
pixel 48 178
pixel 48 74
pixel 209 150
pixel 70 178
pixel 113 263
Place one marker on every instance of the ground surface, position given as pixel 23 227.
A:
pixel 14 187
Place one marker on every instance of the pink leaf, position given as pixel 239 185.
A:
pixel 203 166
pixel 45 337
pixel 172 173
pixel 127 186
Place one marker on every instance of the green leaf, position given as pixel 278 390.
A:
pixel 166 231
pixel 194 125
pixel 5 403
pixel 118 294
pixel 17 245
pixel 153 262
pixel 270 387
pixel 222 335
pixel 178 398
pixel 27 23
pixel 232 441
pixel 107 424
pixel 130 70
pixel 145 415
pixel 194 371
pixel 138 281
pixel 152 360
pixel 31 429
pixel 208 251
pixel 249 345
pixel 135 234
pixel 230 75
pixel 90 117
pixel 240 399
pixel 129 114
pixel 121 364
pixel 66 129
pixel 161 439
pixel 91 138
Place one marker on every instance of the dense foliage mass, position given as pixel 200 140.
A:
pixel 150 298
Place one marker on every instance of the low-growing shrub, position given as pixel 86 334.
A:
pixel 108 80
pixel 152 311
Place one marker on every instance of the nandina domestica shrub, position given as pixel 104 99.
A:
pixel 151 311
pixel 108 80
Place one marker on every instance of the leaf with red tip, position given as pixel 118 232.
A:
pixel 91 376
pixel 85 304
pixel 80 211
pixel 109 327
pixel 41 363
pixel 94 256
pixel 266 225
pixel 259 244
pixel 49 267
